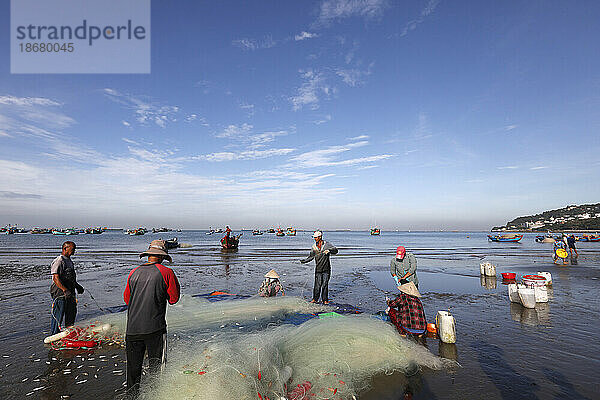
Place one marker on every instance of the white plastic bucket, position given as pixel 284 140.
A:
pixel 527 296
pixel 513 293
pixel 541 294
pixel 446 327
pixel 548 277
pixel 490 270
pixel 482 268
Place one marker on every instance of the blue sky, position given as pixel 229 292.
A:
pixel 331 113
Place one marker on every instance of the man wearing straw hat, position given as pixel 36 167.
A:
pixel 271 285
pixel 149 287
pixel 406 311
pixel 320 253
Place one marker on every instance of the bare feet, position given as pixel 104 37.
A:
pixel 313 301
pixel 325 302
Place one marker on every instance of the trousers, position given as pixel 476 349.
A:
pixel 136 347
pixel 321 288
pixel 63 308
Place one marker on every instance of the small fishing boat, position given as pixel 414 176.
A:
pixel 65 232
pixel 290 231
pixel 588 238
pixel 230 243
pixel 375 231
pixel 172 243
pixel 257 232
pixel 505 238
pixel 280 232
pixel 271 230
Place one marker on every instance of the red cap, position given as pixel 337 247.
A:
pixel 400 252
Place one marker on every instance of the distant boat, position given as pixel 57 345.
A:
pixel 505 238
pixel 588 238
pixel 290 231
pixel 271 230
pixel 375 231
pixel 257 232
pixel 280 232
pixel 172 243
pixel 65 232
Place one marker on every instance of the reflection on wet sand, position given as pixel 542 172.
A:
pixel 488 282
pixel 448 350
pixel 540 315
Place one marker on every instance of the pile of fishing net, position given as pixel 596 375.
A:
pixel 85 336
pixel 331 358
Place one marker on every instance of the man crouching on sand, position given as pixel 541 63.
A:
pixel 148 289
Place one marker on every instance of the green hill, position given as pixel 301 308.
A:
pixel 570 218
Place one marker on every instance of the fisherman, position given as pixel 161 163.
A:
pixel 227 235
pixel 149 287
pixel 406 311
pixel 320 253
pixel 62 290
pixel 403 267
pixel 271 285
pixel 571 243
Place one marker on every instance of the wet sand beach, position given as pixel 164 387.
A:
pixel 503 350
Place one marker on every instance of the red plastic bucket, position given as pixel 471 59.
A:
pixel 509 276
pixel 534 280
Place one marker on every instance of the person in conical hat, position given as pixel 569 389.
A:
pixel 406 311
pixel 271 285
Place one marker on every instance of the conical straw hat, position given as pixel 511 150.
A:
pixel 410 289
pixel 272 274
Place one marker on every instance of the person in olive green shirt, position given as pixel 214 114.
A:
pixel 403 267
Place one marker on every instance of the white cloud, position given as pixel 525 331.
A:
pixel 361 137
pixel 235 131
pixel 538 168
pixel 425 12
pixel 325 118
pixel 339 9
pixel 328 157
pixel 27 101
pixel 354 77
pixel 243 155
pixel 254 44
pixel 145 112
pixel 309 93
pixel 509 167
pixel 125 123
pixel 305 35
pixel 510 127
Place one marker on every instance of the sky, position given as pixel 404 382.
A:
pixel 409 115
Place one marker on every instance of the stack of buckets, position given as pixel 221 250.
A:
pixel 487 269
pixel 532 290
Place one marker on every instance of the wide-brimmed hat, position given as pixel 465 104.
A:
pixel 410 289
pixel 317 234
pixel 272 274
pixel 400 252
pixel 157 248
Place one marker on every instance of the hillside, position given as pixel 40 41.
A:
pixel 583 217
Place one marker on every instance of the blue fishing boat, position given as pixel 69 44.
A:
pixel 505 238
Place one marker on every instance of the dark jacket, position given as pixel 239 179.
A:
pixel 148 289
pixel 321 257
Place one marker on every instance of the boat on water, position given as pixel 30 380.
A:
pixel 505 238
pixel 545 239
pixel 271 230
pixel 257 232
pixel 375 231
pixel 588 238
pixel 93 231
pixel 219 230
pixel 136 232
pixel 290 231
pixel 171 243
pixel 65 232
pixel 280 232
pixel 231 242
pixel 40 231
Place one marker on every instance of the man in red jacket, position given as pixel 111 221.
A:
pixel 149 287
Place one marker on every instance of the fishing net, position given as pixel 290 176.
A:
pixel 330 358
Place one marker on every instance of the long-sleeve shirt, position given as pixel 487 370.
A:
pixel 410 313
pixel 408 264
pixel 148 289
pixel 270 287
pixel 321 256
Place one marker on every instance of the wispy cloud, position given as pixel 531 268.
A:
pixel 144 111
pixel 510 127
pixel 305 35
pixel 332 10
pixel 361 137
pixel 538 168
pixel 329 157
pixel 244 134
pixel 244 155
pixel 255 44
pixel 509 167
pixel 425 12
pixel 322 120
pixel 19 196
pixel 354 77
pixel 27 101
pixel 312 89
pixel 235 131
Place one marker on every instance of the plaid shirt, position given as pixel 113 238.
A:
pixel 269 288
pixel 407 311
